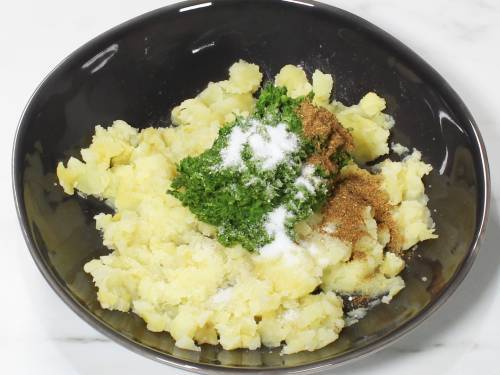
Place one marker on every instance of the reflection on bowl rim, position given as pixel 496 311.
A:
pixel 313 367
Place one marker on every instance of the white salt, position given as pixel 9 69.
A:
pixel 276 219
pixel 270 145
pixel 231 154
pixel 307 179
pixel 275 227
pixel 252 181
pixel 272 148
pixel 301 181
pixel 299 195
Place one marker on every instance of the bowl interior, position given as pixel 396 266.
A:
pixel 140 70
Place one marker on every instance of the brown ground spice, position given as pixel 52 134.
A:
pixel 328 136
pixel 355 190
pixel 352 302
pixel 360 301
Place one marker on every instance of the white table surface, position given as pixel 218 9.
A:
pixel 40 335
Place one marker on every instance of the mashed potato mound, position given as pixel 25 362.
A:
pixel 403 183
pixel 370 127
pixel 168 268
pixel 294 79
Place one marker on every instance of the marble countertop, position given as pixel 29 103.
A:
pixel 40 335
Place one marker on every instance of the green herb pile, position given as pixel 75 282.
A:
pixel 238 200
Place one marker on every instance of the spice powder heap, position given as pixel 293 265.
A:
pixel 328 136
pixel 356 190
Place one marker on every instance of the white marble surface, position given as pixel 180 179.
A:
pixel 40 335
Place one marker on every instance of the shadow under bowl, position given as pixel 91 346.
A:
pixel 139 70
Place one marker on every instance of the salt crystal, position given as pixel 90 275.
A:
pixel 299 195
pixel 307 179
pixel 231 154
pixel 273 147
pixel 269 144
pixel 276 220
pixel 275 227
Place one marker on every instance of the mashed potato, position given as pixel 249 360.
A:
pixel 168 268
pixel 403 183
pixel 370 127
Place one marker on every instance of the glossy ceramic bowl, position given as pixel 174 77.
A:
pixel 139 70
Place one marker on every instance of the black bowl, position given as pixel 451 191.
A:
pixel 138 71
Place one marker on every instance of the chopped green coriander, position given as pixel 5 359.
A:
pixel 255 165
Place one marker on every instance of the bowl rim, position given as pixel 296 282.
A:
pixel 321 365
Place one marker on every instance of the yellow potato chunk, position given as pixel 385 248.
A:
pixel 415 222
pixel 392 265
pixel 243 78
pixel 308 324
pixel 364 275
pixel 368 125
pixel 294 79
pixel 371 104
pixel 322 87
pixel 403 183
pixel 220 102
pixel 192 112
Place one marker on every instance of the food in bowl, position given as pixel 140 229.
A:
pixel 254 220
